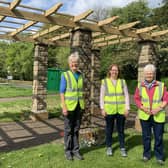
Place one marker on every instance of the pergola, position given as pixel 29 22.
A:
pixel 82 35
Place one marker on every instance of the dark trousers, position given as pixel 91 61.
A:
pixel 158 129
pixel 120 122
pixel 71 130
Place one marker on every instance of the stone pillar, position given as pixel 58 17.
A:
pixel 39 106
pixel 96 82
pixel 81 43
pixel 147 55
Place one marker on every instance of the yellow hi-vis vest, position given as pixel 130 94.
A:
pixel 114 99
pixel 157 100
pixel 74 91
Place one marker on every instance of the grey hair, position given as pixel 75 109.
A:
pixel 150 67
pixel 74 56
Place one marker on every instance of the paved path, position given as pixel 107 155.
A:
pixel 24 134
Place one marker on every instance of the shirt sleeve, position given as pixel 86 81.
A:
pixel 102 94
pixel 63 84
pixel 137 98
pixel 127 101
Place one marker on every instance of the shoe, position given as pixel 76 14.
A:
pixel 78 156
pixel 160 162
pixel 123 152
pixel 68 157
pixel 145 159
pixel 109 151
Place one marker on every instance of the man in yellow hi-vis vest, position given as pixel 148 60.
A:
pixel 114 104
pixel 151 98
pixel 71 92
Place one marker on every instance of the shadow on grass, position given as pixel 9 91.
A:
pixel 131 142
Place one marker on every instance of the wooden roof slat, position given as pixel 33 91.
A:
pixel 107 21
pixel 105 38
pixel 30 23
pixel 46 31
pixel 8 27
pixel 53 9
pixel 128 25
pixel 82 15
pixel 57 19
pixel 159 33
pixel 146 29
pixel 14 4
pixel 62 36
pixel 24 27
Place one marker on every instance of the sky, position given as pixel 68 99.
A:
pixel 75 7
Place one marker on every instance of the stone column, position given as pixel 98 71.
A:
pixel 81 43
pixel 39 106
pixel 147 55
pixel 96 82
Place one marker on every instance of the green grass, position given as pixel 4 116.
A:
pixel 51 155
pixel 20 109
pixel 12 91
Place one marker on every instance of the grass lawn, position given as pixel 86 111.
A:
pixel 20 109
pixel 52 156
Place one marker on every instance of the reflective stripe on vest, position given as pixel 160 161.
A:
pixel 114 100
pixel 74 91
pixel 157 100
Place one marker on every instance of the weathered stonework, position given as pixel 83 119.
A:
pixel 81 43
pixel 147 55
pixel 39 106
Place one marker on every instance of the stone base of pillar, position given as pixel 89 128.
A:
pixel 91 136
pixel 39 116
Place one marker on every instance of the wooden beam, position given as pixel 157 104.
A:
pixel 60 37
pixel 107 21
pixel 57 19
pixel 146 29
pixel 24 27
pixel 82 15
pixel 159 33
pixel 53 9
pixel 14 4
pixel 31 23
pixel 128 25
pixel 105 38
pixel 46 31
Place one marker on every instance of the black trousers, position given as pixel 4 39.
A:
pixel 120 122
pixel 158 129
pixel 71 130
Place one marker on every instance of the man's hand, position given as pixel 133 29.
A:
pixel 155 111
pixel 64 111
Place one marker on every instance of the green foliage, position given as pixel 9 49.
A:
pixel 135 11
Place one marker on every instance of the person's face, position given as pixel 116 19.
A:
pixel 114 72
pixel 73 64
pixel 149 76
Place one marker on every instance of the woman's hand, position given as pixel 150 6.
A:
pixel 126 113
pixel 146 110
pixel 155 111
pixel 103 113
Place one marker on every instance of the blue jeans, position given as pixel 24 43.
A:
pixel 120 121
pixel 158 129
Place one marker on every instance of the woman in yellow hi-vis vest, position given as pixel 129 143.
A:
pixel 71 92
pixel 114 104
pixel 151 98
